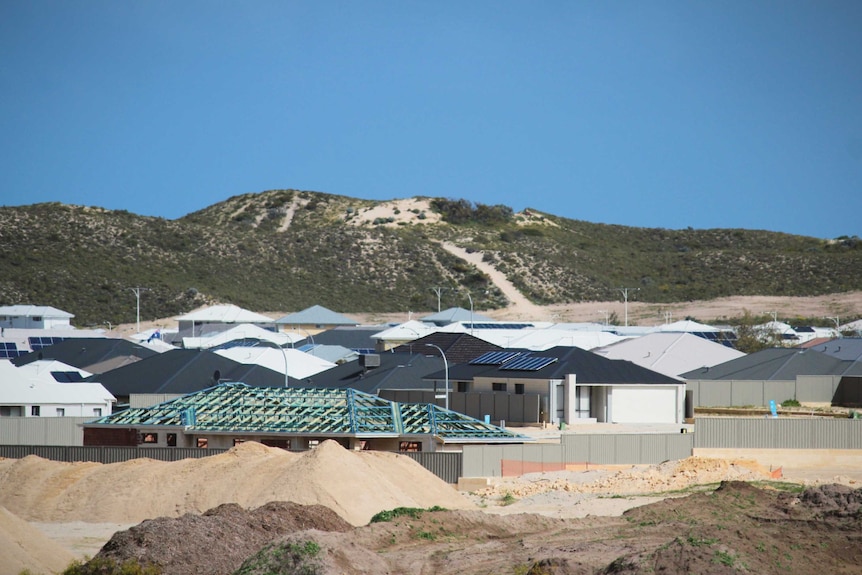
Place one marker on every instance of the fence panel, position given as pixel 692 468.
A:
pixel 778 433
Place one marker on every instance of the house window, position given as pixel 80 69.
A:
pixel 172 439
pixel 410 446
pixel 463 386
pixel 203 443
pixel 238 441
pixel 61 412
pixel 150 438
pixel 498 386
pixel 97 411
pixel 11 410
pixel 519 389
pixel 35 410
pixel 37 318
pixel 313 443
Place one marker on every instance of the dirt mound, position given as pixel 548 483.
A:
pixel 356 484
pixel 736 528
pixel 218 541
pixel 838 500
pixel 22 546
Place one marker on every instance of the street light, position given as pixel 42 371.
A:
pixel 625 292
pixel 137 291
pixel 283 353
pixel 469 297
pixel 446 371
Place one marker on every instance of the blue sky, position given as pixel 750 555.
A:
pixel 720 114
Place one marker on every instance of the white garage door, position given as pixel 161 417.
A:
pixel 653 404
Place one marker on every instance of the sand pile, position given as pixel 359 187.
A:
pixel 22 546
pixel 355 484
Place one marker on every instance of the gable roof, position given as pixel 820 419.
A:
pixel 297 363
pixel 316 315
pixel 670 353
pixel 94 354
pixel 557 363
pixel 237 407
pixel 225 314
pixel 34 310
pixel 183 371
pixel 776 363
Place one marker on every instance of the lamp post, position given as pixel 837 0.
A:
pixel 625 292
pixel 469 297
pixel 283 354
pixel 137 291
pixel 446 371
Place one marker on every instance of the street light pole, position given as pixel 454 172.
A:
pixel 625 292
pixel 446 371
pixel 469 297
pixel 137 291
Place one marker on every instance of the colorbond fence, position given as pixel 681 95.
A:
pixel 777 433
pixel 576 451
pixel 738 393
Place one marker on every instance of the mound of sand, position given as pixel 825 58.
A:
pixel 22 546
pixel 355 484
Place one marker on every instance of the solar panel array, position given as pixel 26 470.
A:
pixel 67 376
pixel 37 343
pixel 498 325
pixel 495 357
pixel 8 350
pixel 529 363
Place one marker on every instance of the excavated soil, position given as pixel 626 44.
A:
pixel 268 511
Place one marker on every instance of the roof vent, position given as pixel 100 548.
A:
pixel 369 360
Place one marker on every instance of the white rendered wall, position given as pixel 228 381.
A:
pixel 647 404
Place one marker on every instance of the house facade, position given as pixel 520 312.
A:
pixel 34 317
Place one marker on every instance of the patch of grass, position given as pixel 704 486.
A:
pixel 412 512
pixel 724 558
pixel 508 499
pixel 107 566
pixel 700 541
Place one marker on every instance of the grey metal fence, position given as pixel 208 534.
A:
pixel 738 393
pixel 42 430
pixel 778 433
pixel 576 450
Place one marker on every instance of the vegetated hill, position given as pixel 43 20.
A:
pixel 288 249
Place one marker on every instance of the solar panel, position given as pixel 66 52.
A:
pixel 498 325
pixel 67 376
pixel 37 343
pixel 529 363
pixel 495 357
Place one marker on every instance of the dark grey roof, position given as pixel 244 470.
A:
pixel 773 364
pixel 396 371
pixel 358 337
pixel 86 352
pixel 590 368
pixel 458 347
pixel 844 348
pixel 183 371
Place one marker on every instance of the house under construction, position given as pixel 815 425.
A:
pixel 293 418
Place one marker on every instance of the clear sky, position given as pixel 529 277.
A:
pixel 715 114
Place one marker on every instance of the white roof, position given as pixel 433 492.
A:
pixel 687 325
pixel 239 332
pixel 41 369
pixel 538 339
pixel 407 331
pixel 670 353
pixel 225 314
pixel 299 364
pixel 20 388
pixel 34 310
